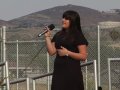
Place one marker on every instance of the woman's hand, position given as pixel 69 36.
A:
pixel 62 52
pixel 48 33
pixel 50 45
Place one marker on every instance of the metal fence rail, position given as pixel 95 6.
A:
pixel 117 71
pixel 2 64
pixel 82 65
pixel 19 81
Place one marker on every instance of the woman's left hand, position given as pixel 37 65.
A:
pixel 63 51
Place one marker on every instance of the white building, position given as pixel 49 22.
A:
pixel 109 24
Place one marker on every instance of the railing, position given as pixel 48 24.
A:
pixel 37 77
pixel 109 70
pixel 6 76
pixel 85 64
pixel 45 75
pixel 19 81
pixel 22 80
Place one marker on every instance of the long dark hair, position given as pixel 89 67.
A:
pixel 74 20
pixel 75 26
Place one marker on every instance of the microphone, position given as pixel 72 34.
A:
pixel 50 27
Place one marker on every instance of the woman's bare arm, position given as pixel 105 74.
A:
pixel 50 46
pixel 82 55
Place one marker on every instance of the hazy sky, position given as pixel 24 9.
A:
pixel 10 9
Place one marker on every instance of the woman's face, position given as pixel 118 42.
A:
pixel 65 23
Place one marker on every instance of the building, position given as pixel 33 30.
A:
pixel 109 24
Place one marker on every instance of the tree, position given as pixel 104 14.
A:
pixel 114 35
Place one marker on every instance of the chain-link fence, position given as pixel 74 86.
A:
pixel 29 58
pixel 89 77
pixel 20 86
pixel 114 73
pixel 109 48
pixel 26 58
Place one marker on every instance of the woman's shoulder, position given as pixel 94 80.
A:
pixel 55 36
pixel 81 40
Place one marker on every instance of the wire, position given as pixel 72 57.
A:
pixel 33 59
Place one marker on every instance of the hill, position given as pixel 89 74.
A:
pixel 53 15
pixel 27 27
pixel 2 22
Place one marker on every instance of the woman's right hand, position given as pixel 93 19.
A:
pixel 50 45
pixel 48 33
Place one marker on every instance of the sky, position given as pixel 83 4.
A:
pixel 10 9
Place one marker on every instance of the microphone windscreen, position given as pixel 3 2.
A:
pixel 51 26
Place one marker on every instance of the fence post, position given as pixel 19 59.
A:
pixel 17 65
pixel 86 77
pixel 109 75
pixel 1 39
pixel 99 72
pixel 4 47
pixel 33 81
pixel 4 40
pixel 95 74
pixel 28 86
pixel 7 75
pixel 48 70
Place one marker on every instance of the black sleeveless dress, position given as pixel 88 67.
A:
pixel 67 73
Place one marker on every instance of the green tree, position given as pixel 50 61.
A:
pixel 114 35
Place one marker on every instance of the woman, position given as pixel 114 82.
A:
pixel 70 47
